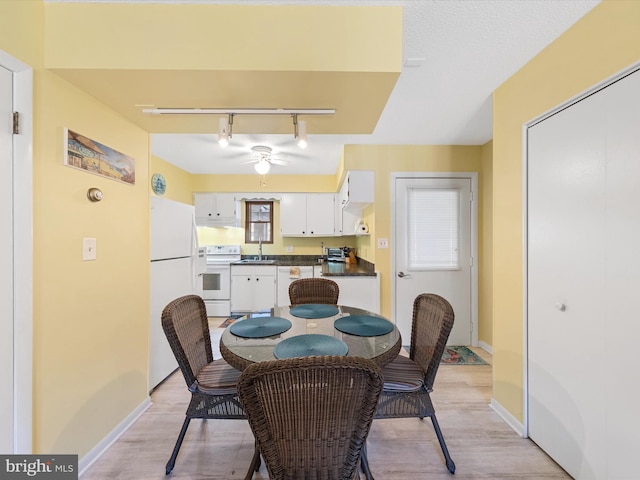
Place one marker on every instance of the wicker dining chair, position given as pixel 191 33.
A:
pixel 311 416
pixel 212 383
pixel 408 381
pixel 313 290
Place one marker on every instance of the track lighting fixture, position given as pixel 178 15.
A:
pixel 225 130
pixel 225 125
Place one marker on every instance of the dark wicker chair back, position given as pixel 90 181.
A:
pixel 186 326
pixel 311 416
pixel 313 290
pixel 409 381
pixel 212 383
pixel 430 328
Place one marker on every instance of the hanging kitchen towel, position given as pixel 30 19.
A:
pixel 294 272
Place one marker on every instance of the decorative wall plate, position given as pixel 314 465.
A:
pixel 158 184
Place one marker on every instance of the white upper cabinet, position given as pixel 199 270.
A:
pixel 357 191
pixel 307 215
pixel 216 210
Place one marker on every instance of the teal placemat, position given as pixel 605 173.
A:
pixel 260 327
pixel 314 310
pixel 310 345
pixel 363 325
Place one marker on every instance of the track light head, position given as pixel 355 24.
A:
pixel 299 131
pixel 225 127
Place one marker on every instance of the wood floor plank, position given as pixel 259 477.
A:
pixel 481 444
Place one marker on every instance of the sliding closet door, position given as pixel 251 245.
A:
pixel 622 376
pixel 584 283
pixel 567 286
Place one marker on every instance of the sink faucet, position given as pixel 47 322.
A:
pixel 260 248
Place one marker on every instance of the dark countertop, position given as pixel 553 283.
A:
pixel 329 269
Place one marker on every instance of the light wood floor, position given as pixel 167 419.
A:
pixel 480 443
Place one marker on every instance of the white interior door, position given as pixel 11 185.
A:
pixel 583 282
pixel 434 250
pixel 6 264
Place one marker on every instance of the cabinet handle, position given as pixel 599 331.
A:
pixel 249 279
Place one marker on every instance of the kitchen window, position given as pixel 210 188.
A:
pixel 258 222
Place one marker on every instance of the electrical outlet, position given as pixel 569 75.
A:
pixel 89 249
pixel 383 243
pixel 289 248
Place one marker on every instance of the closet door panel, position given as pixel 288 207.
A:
pixel 566 286
pixel 622 379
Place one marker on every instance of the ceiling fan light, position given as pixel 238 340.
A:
pixel 223 132
pixel 262 167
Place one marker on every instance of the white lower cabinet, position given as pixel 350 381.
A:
pixel 253 287
pixel 357 291
pixel 286 275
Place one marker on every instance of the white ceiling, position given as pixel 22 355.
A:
pixel 464 50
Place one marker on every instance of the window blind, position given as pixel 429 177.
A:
pixel 433 237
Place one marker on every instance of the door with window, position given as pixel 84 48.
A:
pixel 434 249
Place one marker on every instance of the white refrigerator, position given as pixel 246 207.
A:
pixel 177 264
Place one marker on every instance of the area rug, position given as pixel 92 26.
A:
pixel 229 321
pixel 454 355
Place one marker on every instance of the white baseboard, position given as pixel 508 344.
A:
pixel 507 417
pixel 486 347
pixel 95 453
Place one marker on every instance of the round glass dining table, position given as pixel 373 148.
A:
pixel 240 351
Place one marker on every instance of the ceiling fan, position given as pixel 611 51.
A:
pixel 263 159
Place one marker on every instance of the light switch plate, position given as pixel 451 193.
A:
pixel 383 243
pixel 289 248
pixel 89 249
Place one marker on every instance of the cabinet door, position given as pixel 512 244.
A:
pixel 264 291
pixel 225 205
pixel 241 291
pixel 320 214
pixel 204 205
pixel 360 292
pixel 293 214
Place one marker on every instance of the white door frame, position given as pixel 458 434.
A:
pixel 23 253
pixel 525 224
pixel 473 176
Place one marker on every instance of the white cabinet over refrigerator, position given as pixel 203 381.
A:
pixel 176 268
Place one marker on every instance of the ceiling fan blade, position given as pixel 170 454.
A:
pixel 276 161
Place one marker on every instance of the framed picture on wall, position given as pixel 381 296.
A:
pixel 91 156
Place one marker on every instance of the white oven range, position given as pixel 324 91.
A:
pixel 216 280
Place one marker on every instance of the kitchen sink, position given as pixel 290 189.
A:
pixel 255 261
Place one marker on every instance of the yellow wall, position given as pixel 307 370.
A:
pixel 178 181
pixel 485 247
pixel 22 30
pixel 603 42
pixel 90 318
pixel 255 37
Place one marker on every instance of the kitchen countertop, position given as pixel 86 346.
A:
pixel 329 269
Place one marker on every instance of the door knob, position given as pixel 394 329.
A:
pixel 402 274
